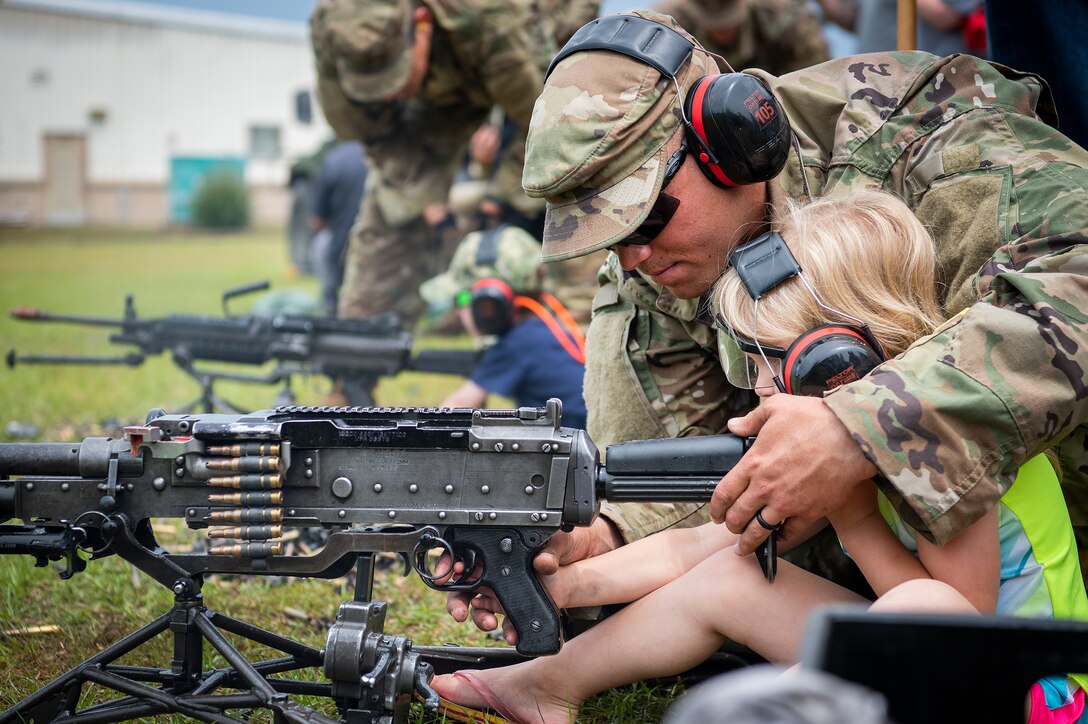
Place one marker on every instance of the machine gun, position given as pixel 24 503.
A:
pixel 487 488
pixel 356 352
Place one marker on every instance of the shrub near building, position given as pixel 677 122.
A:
pixel 221 202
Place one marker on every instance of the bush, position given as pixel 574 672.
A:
pixel 221 202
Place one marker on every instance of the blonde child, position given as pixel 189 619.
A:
pixel 868 268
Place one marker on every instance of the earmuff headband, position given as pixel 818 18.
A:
pixel 487 253
pixel 497 284
pixel 654 44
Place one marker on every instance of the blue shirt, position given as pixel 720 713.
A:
pixel 529 365
pixel 339 190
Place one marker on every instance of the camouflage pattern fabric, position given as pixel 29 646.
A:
pixel 778 36
pixel 484 53
pixel 369 43
pixel 965 144
pixel 598 159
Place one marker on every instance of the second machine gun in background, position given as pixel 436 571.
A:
pixel 486 488
pixel 354 352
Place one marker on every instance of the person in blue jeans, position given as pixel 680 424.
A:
pixel 495 279
pixel 334 204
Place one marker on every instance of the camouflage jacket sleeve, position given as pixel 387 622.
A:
pixel 484 53
pixel 1006 197
pixel 567 16
pixel 501 49
pixel 412 147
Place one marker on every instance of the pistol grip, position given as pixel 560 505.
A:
pixel 507 556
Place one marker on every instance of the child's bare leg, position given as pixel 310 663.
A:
pixel 923 595
pixel 664 633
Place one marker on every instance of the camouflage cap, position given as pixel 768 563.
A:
pixel 517 262
pixel 597 144
pixel 367 42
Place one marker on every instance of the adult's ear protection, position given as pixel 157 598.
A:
pixel 494 304
pixel 493 300
pixel 735 124
pixel 740 132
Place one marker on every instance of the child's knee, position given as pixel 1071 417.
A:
pixel 923 596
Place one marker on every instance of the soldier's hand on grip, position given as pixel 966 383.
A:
pixel 803 464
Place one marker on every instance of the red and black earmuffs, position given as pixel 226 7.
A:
pixel 494 303
pixel 822 358
pixel 733 122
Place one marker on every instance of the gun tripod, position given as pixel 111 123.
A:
pixel 209 401
pixel 372 676
pixel 357 391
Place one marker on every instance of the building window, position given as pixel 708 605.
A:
pixel 264 142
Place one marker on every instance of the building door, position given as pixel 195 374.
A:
pixel 64 198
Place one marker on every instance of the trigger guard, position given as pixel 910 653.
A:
pixel 469 559
pixel 422 548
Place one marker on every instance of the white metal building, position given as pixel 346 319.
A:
pixel 103 105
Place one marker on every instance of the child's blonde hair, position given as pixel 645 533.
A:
pixel 864 254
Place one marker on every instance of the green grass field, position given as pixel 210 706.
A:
pixel 89 272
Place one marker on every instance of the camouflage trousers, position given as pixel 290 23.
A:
pixel 385 265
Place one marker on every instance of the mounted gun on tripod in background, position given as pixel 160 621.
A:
pixel 355 352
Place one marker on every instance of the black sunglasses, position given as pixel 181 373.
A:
pixel 664 207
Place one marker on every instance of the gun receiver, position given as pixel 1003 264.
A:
pixel 489 487
pixel 354 351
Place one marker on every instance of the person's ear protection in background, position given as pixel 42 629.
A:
pixel 492 299
pixel 736 126
pixel 494 303
pixel 822 358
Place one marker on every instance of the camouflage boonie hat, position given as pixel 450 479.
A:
pixel 596 146
pixel 368 42
pixel 517 263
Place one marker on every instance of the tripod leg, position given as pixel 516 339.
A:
pixel 226 406
pixel 62 694
pixel 359 391
pixel 364 577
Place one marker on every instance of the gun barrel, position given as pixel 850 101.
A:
pixel 37 315
pixel 39 458
pixel 132 359
pixel 683 469
pixel 445 361
pixel 661 489
pixel 61 459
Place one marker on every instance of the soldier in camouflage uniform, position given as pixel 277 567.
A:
pixel 973 151
pixel 778 36
pixel 412 82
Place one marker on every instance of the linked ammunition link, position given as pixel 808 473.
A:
pixel 259 509
pixel 247 532
pixel 247 482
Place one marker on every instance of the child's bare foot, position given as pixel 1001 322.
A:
pixel 520 701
